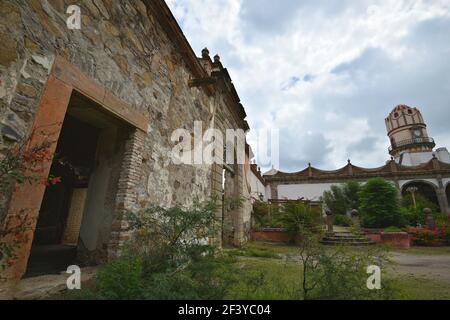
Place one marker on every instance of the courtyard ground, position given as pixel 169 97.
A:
pixel 422 273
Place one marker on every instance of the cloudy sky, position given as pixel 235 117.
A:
pixel 327 72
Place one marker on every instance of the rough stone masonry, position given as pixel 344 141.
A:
pixel 132 58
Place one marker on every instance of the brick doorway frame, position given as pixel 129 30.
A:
pixel 26 198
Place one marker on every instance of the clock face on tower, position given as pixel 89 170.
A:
pixel 417 133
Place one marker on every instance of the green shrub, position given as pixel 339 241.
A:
pixel 441 219
pixel 300 217
pixel 342 198
pixel 265 215
pixel 167 258
pixel 343 220
pixel 254 252
pixel 414 214
pixel 379 204
pixel 339 274
pixel 392 229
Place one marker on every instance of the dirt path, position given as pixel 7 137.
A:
pixel 435 267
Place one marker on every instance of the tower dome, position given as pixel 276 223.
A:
pixel 408 134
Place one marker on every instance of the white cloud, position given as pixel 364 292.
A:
pixel 360 61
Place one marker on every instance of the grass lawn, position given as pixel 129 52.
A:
pixel 283 277
pixel 267 271
pixel 281 280
pixel 417 288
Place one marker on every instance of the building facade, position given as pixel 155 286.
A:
pixel 106 99
pixel 414 163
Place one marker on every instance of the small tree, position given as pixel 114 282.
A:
pixel 168 257
pixel 342 198
pixel 299 218
pixel 379 204
pixel 351 191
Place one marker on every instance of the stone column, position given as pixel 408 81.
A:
pixel 329 221
pixel 75 216
pixel 429 220
pixel 274 190
pixel 442 197
pixel 355 218
pixel 238 214
pixel 216 193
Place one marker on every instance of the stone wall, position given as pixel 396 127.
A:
pixel 123 47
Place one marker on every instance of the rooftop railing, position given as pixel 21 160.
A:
pixel 411 142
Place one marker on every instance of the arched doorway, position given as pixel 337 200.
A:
pixel 421 191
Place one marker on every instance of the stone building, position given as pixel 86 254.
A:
pixel 107 98
pixel 414 163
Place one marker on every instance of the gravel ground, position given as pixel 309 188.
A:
pixel 435 267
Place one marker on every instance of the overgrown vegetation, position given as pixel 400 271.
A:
pixel 392 229
pixel 264 215
pixel 343 221
pixel 340 274
pixel 20 164
pixel 169 258
pixel 341 199
pixel 253 252
pixel 412 210
pixel 301 217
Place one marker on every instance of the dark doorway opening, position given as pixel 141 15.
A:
pixel 447 192
pixel 72 165
pixel 76 212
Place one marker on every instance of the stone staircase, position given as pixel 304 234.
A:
pixel 346 238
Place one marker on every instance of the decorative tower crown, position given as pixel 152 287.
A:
pixel 407 131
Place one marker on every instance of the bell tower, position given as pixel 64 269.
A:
pixel 407 131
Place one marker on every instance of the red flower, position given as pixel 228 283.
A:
pixel 55 180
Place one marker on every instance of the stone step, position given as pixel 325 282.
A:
pixel 345 234
pixel 347 239
pixel 349 243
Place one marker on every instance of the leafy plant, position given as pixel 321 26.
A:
pixel 414 213
pixel 168 258
pixel 254 252
pixel 266 215
pixel 300 217
pixel 379 204
pixel 339 273
pixel 392 229
pixel 344 221
pixel 340 199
